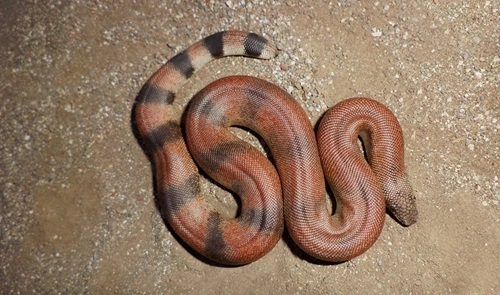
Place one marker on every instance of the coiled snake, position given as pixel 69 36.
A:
pixel 292 191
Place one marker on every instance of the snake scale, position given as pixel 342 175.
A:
pixel 292 191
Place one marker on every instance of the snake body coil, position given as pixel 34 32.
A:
pixel 294 189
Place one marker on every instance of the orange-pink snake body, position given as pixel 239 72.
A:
pixel 292 191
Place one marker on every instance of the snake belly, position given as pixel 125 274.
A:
pixel 294 191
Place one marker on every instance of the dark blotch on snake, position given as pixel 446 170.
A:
pixel 155 95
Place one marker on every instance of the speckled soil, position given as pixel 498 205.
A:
pixel 77 209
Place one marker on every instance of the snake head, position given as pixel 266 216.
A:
pixel 401 201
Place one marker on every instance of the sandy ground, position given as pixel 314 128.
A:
pixel 77 210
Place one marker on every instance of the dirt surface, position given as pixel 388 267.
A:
pixel 77 208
